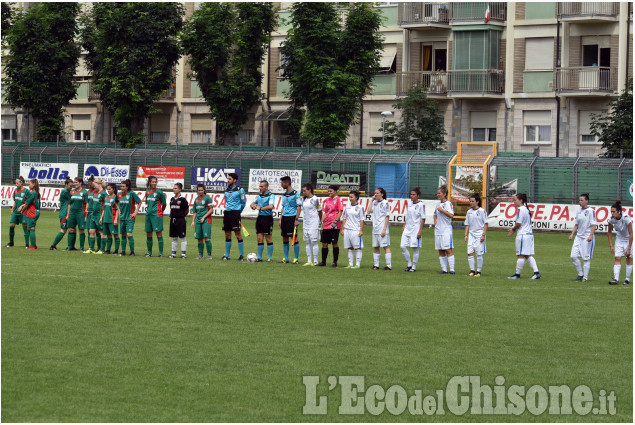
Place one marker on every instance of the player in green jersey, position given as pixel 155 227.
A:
pixel 88 209
pixel 129 205
pixel 19 194
pixel 31 210
pixel 76 219
pixel 116 226
pixel 94 226
pixel 65 198
pixel 155 200
pixel 202 221
pixel 109 216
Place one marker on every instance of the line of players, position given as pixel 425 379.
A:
pixel 103 210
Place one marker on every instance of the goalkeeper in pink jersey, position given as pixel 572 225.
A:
pixel 332 210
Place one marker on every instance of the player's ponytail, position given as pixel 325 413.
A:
pixel 36 187
pixel 113 186
pixel 67 181
pixel 618 206
pixel 355 193
pixel 128 184
pixel 21 179
pixel 443 189
pixel 308 186
pixel 383 192
pixel 477 198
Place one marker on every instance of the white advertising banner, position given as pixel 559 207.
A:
pixel 48 172
pixel 106 172
pixel 273 177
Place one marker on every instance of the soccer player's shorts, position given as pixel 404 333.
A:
pixel 264 224
pixel 379 241
pixel 525 245
pixel 621 247
pixel 30 222
pixel 93 222
pixel 353 240
pixel 231 221
pixel 330 235
pixel 178 227
pixel 87 218
pixel 154 224
pixel 127 226
pixel 108 229
pixel 311 235
pixel 443 241
pixel 410 241
pixel 202 230
pixel 475 246
pixel 63 223
pixel 76 219
pixel 582 248
pixel 287 224
pixel 16 218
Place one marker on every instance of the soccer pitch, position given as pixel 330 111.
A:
pixel 102 338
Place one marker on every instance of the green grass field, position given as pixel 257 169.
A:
pixel 89 338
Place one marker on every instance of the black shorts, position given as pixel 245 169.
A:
pixel 264 224
pixel 231 221
pixel 287 224
pixel 178 227
pixel 330 235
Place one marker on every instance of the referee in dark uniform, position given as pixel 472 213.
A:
pixel 178 211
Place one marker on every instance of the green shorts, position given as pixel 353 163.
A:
pixel 93 223
pixel 127 226
pixel 154 224
pixel 75 219
pixel 202 230
pixel 16 218
pixel 64 223
pixel 109 229
pixel 30 222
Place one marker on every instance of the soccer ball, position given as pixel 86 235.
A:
pixel 252 257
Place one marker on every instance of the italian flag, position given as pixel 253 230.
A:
pixel 488 14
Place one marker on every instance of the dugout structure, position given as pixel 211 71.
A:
pixel 468 172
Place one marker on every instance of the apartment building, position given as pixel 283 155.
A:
pixel 526 75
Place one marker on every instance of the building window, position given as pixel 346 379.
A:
pixel 537 126
pixel 81 135
pixel 81 127
pixel 9 126
pixel 160 136
pixel 584 125
pixel 201 136
pixel 245 136
pixel 483 125
pixel 483 134
pixel 388 61
pixel 8 134
pixel 539 54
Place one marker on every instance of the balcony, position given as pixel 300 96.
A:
pixel 463 13
pixel 588 11
pixel 436 82
pixel 424 14
pixel 586 79
pixel 476 82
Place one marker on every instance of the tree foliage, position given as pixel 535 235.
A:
pixel 132 50
pixel 615 127
pixel 7 15
pixel 40 63
pixel 226 43
pixel 421 122
pixel 329 66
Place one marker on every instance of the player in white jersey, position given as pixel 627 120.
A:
pixel 311 227
pixel 475 234
pixel 524 238
pixel 584 242
pixel 623 225
pixel 412 229
pixel 380 210
pixel 443 214
pixel 353 230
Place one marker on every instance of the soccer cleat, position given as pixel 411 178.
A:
pixel 375 268
pixel 209 257
pixel 412 270
pixel 27 247
pixel 578 279
pixel 241 258
pixel 538 276
pixel 387 268
pixel 122 254
pixel 67 249
pixel 585 280
pixel 307 264
pixel 107 251
pixel 452 272
pixel 443 272
pixel 259 260
pixel 407 269
pixel 349 267
pixel 32 248
pixel 131 254
pixel 471 273
pixel 514 276
pixel 200 257
pixel 73 249
pixel 356 267
pixel 225 258
pixel 295 261
pixel 99 252
pixel 315 264
pixel 160 255
pixel 321 264
pixel 52 248
pixel 115 252
pixel 613 282
pixel 284 261
pixel 173 255
pixel 183 256
pixel 148 255
pixel 478 274
pixel 627 282
pixel 9 245
pixel 334 265
pixel 88 251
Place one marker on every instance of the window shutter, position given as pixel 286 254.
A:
pixel 483 119
pixel 537 117
pixel 539 54
pixel 201 122
pixel 81 122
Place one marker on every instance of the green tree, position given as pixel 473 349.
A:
pixel 40 63
pixel 330 67
pixel 132 50
pixel 615 127
pixel 226 43
pixel 421 122
pixel 7 15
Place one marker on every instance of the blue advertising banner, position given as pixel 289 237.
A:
pixel 212 178
pixel 108 173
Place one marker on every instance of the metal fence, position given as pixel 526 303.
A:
pixel 544 179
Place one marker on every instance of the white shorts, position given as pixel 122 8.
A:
pixel 475 246
pixel 410 241
pixel 378 241
pixel 525 245
pixel 311 235
pixel 443 241
pixel 582 248
pixel 353 240
pixel 620 249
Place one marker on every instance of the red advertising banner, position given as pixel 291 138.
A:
pixel 166 176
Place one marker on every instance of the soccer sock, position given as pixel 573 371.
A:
pixel 98 237
pixel 415 257
pixel 201 249
pixel 479 263
pixel 71 240
pixel 533 265
pixel 183 245
pixel 325 254
pixel 270 250
pixel 616 271
pixel 149 244
pixel 444 263
pixel 358 255
pixel 175 244
pixel 108 244
pixel 124 240
pixel 309 252
pixel 208 245
pixel 160 240
pixel 285 250
pixel 131 241
pixel 228 247
pixel 91 243
pixel 629 272
pixel 32 236
pixel 58 238
pixel 587 267
pixel 577 264
pixel 117 242
pixel 11 233
pixel 241 248
pixel 336 254
pixel 389 260
pixel 296 250
pixel 376 256
pixel 261 248
pixel 351 257
pixel 104 241
pixel 316 250
pixel 82 241
pixel 451 262
pixel 26 235
pixel 520 263
pixel 406 255
pixel 470 261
